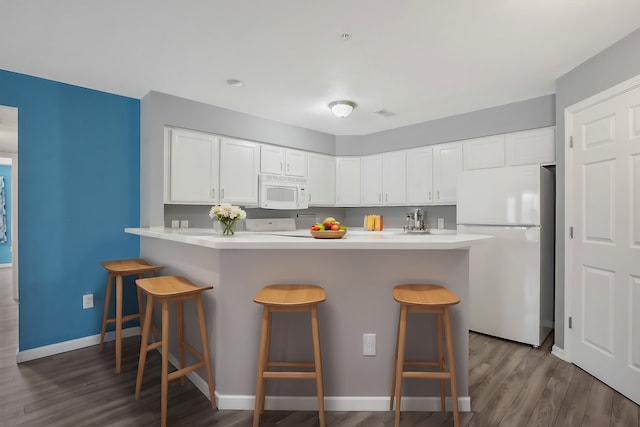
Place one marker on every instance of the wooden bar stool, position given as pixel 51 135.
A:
pixel 425 299
pixel 168 289
pixel 288 298
pixel 118 269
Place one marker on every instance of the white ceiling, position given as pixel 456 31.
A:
pixel 419 59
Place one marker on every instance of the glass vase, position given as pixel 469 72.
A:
pixel 228 227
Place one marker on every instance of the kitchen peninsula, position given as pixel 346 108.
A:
pixel 358 273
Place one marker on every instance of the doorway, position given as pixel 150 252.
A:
pixel 9 209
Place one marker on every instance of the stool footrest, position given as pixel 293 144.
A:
pixel 291 375
pixel 430 375
pixel 154 345
pixel 193 351
pixel 310 365
pixel 126 318
pixel 425 364
pixel 184 371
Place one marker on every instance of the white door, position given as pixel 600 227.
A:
pixel 447 163
pixel 372 180
pixel 603 257
pixel 420 175
pixel 239 166
pixel 394 177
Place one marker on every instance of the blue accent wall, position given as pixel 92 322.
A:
pixel 5 248
pixel 79 187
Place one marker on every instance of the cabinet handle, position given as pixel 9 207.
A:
pixel 309 196
pixel 379 197
pixel 386 197
pixel 213 193
pixel 280 166
pixel 438 195
pixel 430 199
pixel 222 194
pixel 288 167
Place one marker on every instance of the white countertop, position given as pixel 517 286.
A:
pixel 302 239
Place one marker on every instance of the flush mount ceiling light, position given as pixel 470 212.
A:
pixel 342 108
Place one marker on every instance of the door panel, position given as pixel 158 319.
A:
pixel 603 274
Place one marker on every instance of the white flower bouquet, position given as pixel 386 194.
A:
pixel 227 215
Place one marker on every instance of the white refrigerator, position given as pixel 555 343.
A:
pixel 511 283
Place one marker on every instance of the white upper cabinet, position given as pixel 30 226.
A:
pixel 447 163
pixel 191 167
pixel 348 173
pixel 420 175
pixel 239 167
pixel 321 182
pixel 372 180
pixel 271 159
pixel 282 161
pixel 394 178
pixel 482 153
pixel 531 146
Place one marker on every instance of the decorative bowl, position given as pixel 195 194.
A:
pixel 328 234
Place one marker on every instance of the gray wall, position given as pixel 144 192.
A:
pixel 614 65
pixel 529 114
pixel 159 110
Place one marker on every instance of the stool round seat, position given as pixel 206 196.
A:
pixel 425 298
pixel 117 270
pixel 427 295
pixel 290 295
pixel 288 298
pixel 167 290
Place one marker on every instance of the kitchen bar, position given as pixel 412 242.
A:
pixel 358 273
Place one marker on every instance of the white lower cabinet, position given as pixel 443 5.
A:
pixel 239 167
pixel 348 178
pixel 321 182
pixel 191 167
pixel 447 164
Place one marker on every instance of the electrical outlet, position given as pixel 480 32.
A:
pixel 87 301
pixel 175 223
pixel 368 344
pixel 184 223
pixel 440 222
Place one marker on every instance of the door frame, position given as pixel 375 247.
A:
pixel 14 219
pixel 606 94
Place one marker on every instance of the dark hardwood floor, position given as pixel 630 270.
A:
pixel 511 385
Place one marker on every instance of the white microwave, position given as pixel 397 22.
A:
pixel 282 192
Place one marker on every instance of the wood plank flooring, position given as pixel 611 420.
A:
pixel 511 385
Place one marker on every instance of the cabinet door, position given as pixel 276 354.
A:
pixel 394 178
pixel 348 172
pixel 420 175
pixel 372 180
pixel 239 166
pixel 193 167
pixel 531 146
pixel 447 163
pixel 321 183
pixel 484 153
pixel 296 163
pixel 271 159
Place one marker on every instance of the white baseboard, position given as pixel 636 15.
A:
pixel 246 402
pixel 331 403
pixel 61 347
pixel 559 353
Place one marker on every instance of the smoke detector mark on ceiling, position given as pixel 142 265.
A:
pixel 385 113
pixel 235 82
pixel 345 36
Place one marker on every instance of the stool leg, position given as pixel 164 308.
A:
pixel 443 406
pixel 105 313
pixel 395 365
pixel 140 303
pixel 118 322
pixel 267 352
pixel 180 335
pixel 143 345
pixel 205 351
pixel 452 368
pixel 317 357
pixel 164 387
pixel 402 338
pixel 263 358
